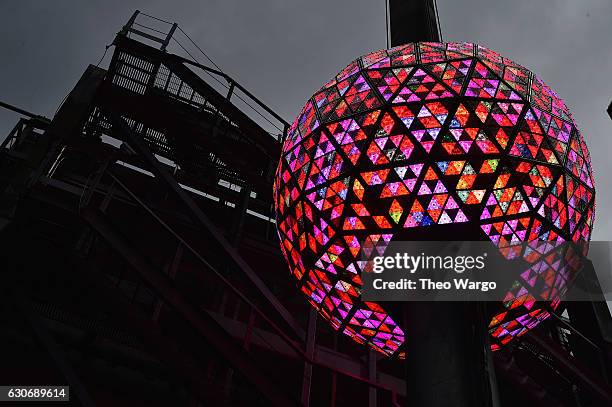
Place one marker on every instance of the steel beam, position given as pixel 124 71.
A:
pixel 205 325
pixel 178 66
pixel 71 116
pixel 24 112
pixel 310 348
pixel 521 381
pixel 130 319
pixel 138 145
pixel 185 128
pixel 572 367
pixel 248 126
pixel 54 351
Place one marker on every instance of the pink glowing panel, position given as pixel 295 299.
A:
pixel 425 136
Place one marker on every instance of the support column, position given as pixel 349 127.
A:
pixel 372 395
pixel 445 342
pixel 241 210
pixel 310 348
pixel 334 383
pixel 445 355
pixel 413 21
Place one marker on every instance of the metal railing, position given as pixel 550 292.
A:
pixel 166 33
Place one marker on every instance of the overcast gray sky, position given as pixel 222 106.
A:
pixel 283 50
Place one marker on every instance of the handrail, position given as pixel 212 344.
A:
pixel 231 82
pixel 295 347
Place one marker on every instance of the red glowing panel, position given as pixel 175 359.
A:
pixel 426 136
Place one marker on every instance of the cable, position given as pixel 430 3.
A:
pixel 435 3
pixel 257 111
pixel 200 49
pixel 227 87
pixel 155 18
pixel 388 34
pixel 150 28
pixel 103 55
pixel 195 60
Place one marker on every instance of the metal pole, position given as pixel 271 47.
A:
pixel 445 362
pixel 310 348
pixel 490 367
pixel 334 383
pixel 372 394
pixel 24 112
pixel 413 21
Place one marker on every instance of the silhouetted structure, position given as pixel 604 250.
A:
pixel 413 21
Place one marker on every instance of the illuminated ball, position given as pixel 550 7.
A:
pixel 426 136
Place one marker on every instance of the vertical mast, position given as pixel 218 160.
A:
pixel 446 343
pixel 413 21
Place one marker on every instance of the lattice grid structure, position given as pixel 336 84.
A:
pixel 421 136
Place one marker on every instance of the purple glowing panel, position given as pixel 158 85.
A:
pixel 422 136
